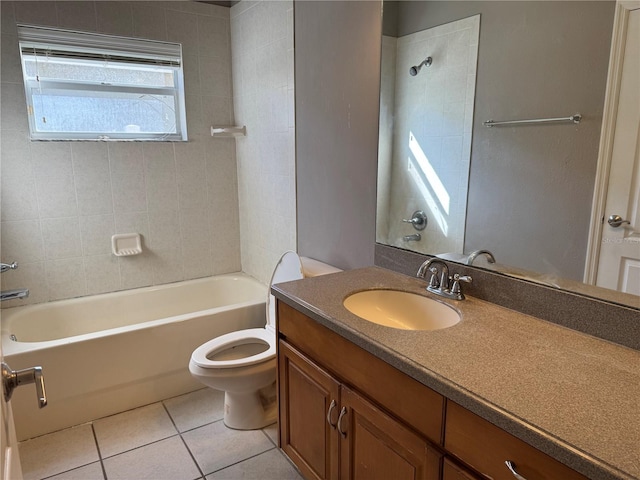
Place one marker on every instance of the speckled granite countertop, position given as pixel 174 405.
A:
pixel 573 396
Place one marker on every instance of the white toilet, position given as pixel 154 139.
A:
pixel 243 363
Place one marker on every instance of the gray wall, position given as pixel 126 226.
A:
pixel 530 188
pixel 337 67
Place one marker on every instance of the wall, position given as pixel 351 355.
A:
pixel 337 68
pixel 530 188
pixel 432 122
pixel 263 97
pixel 62 201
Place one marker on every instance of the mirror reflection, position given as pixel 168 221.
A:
pixel 523 192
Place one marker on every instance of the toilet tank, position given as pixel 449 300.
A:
pixel 315 268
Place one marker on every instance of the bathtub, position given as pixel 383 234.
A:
pixel 108 353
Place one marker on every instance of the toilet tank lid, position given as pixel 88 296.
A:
pixel 314 268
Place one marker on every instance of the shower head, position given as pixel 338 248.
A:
pixel 413 71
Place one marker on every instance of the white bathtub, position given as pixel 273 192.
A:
pixel 108 353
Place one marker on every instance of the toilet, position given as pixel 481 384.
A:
pixel 243 363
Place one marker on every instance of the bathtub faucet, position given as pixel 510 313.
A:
pixel 14 294
pixel 8 266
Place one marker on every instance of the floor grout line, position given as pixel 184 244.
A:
pixel 95 438
pixel 183 441
pixel 240 461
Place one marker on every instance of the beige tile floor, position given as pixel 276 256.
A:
pixel 182 438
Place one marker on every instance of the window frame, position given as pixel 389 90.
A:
pixel 78 47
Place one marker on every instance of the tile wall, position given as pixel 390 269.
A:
pixel 432 124
pixel 263 88
pixel 62 201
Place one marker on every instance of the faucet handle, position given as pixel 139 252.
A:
pixel 8 266
pixel 433 281
pixel 457 278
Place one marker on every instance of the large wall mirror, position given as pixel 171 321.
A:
pixel 448 184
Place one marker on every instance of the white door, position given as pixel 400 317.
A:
pixel 618 266
pixel 8 443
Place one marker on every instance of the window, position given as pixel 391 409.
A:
pixel 84 86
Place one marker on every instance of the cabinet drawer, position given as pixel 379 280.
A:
pixel 486 448
pixel 412 402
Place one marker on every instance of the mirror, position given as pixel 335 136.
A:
pixel 524 191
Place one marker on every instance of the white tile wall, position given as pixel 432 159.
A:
pixel 62 201
pixel 262 49
pixel 436 109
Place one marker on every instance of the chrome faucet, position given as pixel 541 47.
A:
pixel 14 294
pixel 8 266
pixel 473 255
pixel 416 237
pixel 440 286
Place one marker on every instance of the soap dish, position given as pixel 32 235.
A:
pixel 125 244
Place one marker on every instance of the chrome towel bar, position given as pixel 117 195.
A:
pixel 573 118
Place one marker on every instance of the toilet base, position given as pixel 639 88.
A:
pixel 251 411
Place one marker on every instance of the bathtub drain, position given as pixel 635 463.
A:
pixel 13 337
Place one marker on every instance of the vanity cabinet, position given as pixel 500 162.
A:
pixel 346 414
pixel 330 431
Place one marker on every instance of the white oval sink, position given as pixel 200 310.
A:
pixel 402 310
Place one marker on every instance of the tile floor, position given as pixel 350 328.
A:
pixel 182 438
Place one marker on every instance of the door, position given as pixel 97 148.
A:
pixel 8 443
pixel 375 446
pixel 309 400
pixel 617 203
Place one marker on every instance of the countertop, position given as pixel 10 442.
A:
pixel 571 395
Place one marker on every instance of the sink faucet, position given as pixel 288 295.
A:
pixel 473 255
pixel 14 294
pixel 440 286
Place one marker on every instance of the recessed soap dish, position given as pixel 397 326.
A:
pixel 125 244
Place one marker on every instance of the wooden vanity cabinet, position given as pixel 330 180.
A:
pixel 346 414
pixel 330 430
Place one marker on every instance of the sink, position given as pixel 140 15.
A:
pixel 402 310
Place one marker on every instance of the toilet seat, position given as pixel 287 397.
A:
pixel 288 268
pixel 234 339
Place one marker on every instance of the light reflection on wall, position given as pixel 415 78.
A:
pixel 431 187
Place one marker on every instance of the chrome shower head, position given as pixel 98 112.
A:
pixel 413 71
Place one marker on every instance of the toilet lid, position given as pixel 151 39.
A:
pixel 288 268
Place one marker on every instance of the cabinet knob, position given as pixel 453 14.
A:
pixel 343 412
pixel 512 468
pixel 331 407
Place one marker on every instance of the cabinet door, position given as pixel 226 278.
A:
pixel 375 446
pixel 309 398
pixel 451 471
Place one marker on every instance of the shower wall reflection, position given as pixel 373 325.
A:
pixel 426 122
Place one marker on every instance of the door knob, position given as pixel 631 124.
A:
pixel 616 220
pixel 14 378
